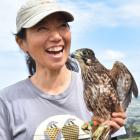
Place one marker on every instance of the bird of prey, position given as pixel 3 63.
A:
pixel 105 91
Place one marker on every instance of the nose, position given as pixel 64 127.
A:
pixel 55 36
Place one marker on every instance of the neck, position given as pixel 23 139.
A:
pixel 52 82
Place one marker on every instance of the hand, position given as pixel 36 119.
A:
pixel 117 121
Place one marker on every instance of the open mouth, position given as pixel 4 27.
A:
pixel 55 50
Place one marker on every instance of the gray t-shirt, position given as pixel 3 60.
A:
pixel 23 107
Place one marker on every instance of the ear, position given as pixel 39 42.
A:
pixel 22 44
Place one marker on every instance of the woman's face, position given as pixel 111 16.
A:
pixel 48 42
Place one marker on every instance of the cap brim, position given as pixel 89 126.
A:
pixel 37 18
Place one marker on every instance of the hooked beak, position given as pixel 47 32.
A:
pixel 76 55
pixel 72 55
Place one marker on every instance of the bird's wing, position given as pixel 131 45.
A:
pixel 99 92
pixel 125 83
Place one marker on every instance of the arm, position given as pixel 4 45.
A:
pixel 4 122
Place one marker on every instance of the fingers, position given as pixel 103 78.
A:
pixel 113 126
pixel 119 121
pixel 119 115
pixel 119 118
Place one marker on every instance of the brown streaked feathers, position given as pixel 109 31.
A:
pixel 105 91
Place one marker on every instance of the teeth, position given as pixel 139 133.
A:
pixel 54 49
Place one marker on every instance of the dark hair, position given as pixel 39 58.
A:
pixel 29 60
pixel 30 64
pixel 21 34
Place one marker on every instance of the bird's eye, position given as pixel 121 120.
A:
pixel 84 52
pixel 91 53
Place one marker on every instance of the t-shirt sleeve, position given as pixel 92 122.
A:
pixel 4 122
pixel 120 132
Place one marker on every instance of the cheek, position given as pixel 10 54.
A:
pixel 35 49
pixel 68 40
pixel 34 40
pixel 35 43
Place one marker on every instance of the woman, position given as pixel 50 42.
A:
pixel 43 33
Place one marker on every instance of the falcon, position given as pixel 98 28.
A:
pixel 105 90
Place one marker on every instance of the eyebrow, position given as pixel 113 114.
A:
pixel 44 21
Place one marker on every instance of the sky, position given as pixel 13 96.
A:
pixel 110 27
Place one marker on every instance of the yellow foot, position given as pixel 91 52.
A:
pixel 102 132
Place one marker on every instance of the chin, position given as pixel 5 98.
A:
pixel 57 66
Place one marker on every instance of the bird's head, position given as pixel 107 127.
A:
pixel 85 56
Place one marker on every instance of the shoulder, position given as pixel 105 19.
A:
pixel 11 91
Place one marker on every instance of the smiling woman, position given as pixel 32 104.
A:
pixel 54 87
pixel 48 42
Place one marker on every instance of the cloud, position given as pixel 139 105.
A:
pixel 104 13
pixel 8 10
pixel 112 55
